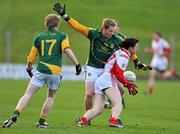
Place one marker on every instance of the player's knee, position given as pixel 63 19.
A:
pixel 51 93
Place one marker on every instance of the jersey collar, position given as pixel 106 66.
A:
pixel 52 30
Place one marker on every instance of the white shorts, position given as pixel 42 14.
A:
pixel 40 79
pixel 92 73
pixel 106 80
pixel 159 64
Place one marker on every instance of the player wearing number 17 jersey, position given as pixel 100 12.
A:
pixel 49 46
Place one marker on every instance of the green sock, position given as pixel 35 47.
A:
pixel 16 113
pixel 41 121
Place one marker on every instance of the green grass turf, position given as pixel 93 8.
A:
pixel 138 18
pixel 156 114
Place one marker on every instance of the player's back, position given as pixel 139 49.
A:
pixel 49 48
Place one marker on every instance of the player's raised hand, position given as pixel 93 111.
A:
pixel 61 10
pixel 29 71
pixel 78 69
pixel 132 87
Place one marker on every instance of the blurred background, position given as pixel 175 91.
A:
pixel 22 20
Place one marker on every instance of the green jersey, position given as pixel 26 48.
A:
pixel 102 48
pixel 49 46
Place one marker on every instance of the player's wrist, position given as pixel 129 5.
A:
pixel 66 17
pixel 136 61
pixel 78 65
pixel 29 68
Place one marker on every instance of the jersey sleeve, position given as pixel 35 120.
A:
pixel 34 51
pixel 65 43
pixel 84 30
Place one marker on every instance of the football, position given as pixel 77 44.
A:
pixel 130 76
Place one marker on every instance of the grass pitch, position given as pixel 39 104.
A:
pixel 155 114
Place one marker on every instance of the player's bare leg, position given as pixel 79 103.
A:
pixel 46 108
pixel 151 81
pixel 115 97
pixel 31 90
pixel 122 91
pixel 169 74
pixel 108 103
pixel 97 108
pixel 89 95
pixel 90 114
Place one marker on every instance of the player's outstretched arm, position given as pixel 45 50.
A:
pixel 61 10
pixel 140 65
pixel 72 57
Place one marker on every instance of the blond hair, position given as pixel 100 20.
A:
pixel 107 23
pixel 52 21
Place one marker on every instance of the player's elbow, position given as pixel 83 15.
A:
pixel 67 50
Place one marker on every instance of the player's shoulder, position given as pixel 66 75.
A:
pixel 60 33
pixel 119 36
pixel 37 36
pixel 164 42
pixel 124 53
pixel 117 53
pixel 94 31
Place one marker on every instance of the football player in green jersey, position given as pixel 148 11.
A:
pixel 49 46
pixel 103 42
pixel 108 103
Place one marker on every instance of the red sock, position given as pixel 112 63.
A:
pixel 84 120
pixel 113 120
